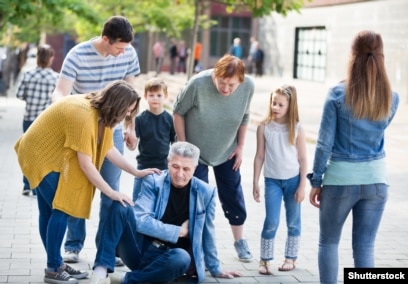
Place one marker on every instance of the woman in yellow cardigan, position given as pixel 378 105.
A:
pixel 61 155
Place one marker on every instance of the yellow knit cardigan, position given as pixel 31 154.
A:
pixel 51 143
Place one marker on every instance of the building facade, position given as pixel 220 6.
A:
pixel 315 44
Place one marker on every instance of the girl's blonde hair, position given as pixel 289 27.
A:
pixel 293 114
pixel 368 90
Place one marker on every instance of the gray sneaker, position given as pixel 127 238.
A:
pixel 242 249
pixel 75 273
pixel 71 257
pixel 60 277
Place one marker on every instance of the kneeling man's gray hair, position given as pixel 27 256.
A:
pixel 185 150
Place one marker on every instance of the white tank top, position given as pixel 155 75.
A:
pixel 281 160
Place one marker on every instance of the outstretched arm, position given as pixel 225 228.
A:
pixel 118 160
pixel 179 127
pixel 63 88
pixel 91 172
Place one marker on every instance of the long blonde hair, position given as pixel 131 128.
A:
pixel 368 90
pixel 293 114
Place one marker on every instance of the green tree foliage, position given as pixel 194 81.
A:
pixel 145 15
pixel 24 20
pixel 260 8
pixel 28 18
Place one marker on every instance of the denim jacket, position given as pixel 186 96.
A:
pixel 344 138
pixel 151 205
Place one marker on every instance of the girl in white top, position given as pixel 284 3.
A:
pixel 281 151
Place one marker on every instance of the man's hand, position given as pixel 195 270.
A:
pixel 184 229
pixel 229 274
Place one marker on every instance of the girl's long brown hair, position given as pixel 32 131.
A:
pixel 368 90
pixel 114 101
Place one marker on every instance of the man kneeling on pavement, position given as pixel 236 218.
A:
pixel 168 234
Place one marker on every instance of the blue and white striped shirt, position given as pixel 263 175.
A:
pixel 90 71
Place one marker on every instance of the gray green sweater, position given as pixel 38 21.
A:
pixel 212 121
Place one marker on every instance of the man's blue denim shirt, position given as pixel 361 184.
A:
pixel 151 205
pixel 344 138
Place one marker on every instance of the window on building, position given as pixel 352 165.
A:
pixel 228 28
pixel 310 53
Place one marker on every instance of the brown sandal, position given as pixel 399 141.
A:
pixel 287 265
pixel 264 268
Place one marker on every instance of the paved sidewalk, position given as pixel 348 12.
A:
pixel 22 256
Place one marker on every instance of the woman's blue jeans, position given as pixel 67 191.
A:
pixel 367 204
pixel 111 174
pixel 52 222
pixel 277 190
pixel 118 235
pixel 26 125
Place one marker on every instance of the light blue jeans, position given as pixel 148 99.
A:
pixel 52 222
pixel 111 174
pixel 367 204
pixel 277 190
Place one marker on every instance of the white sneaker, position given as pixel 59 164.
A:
pixel 96 279
pixel 116 277
pixel 71 257
pixel 119 262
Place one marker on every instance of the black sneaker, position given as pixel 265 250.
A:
pixel 26 191
pixel 61 277
pixel 75 273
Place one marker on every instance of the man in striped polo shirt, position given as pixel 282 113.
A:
pixel 89 67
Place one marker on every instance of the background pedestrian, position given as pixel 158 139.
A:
pixel 35 88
